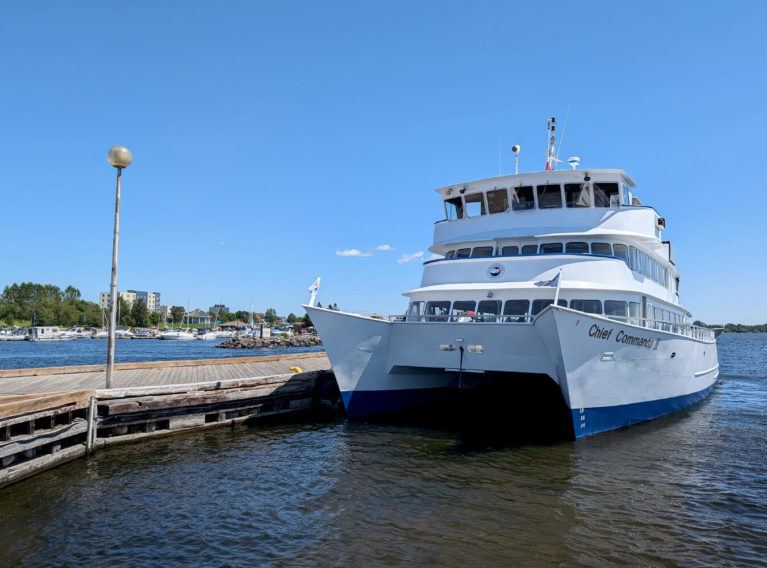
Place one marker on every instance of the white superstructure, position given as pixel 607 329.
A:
pixel 618 346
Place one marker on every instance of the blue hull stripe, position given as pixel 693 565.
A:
pixel 366 403
pixel 590 421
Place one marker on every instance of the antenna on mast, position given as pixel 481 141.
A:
pixel 551 144
pixel 516 148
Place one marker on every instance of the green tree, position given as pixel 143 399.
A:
pixel 154 319
pixel 292 318
pixel 307 320
pixel 242 315
pixel 177 314
pixel 270 316
pixel 70 293
pixel 124 312
pixel 139 313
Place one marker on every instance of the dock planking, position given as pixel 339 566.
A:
pixel 154 373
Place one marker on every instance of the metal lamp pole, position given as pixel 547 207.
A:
pixel 120 157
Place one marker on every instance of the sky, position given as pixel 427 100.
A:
pixel 275 142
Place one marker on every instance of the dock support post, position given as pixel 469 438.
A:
pixel 90 437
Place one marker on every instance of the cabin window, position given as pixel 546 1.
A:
pixel 549 196
pixel 577 247
pixel 522 198
pixel 511 250
pixel 588 306
pixel 551 248
pixel 450 254
pixel 415 311
pixel 606 194
pixel 602 248
pixel 577 195
pixel 488 310
pixel 482 251
pixel 633 258
pixel 437 311
pixel 515 310
pixel 616 308
pixel 464 310
pixel 635 312
pixel 463 253
pixel 665 277
pixel 539 305
pixel 454 208
pixel 475 204
pixel 645 263
pixel 497 201
pixel 529 249
pixel 621 251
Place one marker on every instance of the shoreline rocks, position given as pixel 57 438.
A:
pixel 248 342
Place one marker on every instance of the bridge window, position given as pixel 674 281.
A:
pixel 588 306
pixel 538 305
pixel 497 201
pixel 515 310
pixel 621 251
pixel 577 247
pixel 522 198
pixel 437 311
pixel 454 208
pixel 450 254
pixel 577 195
pixel 601 248
pixel 529 249
pixel 549 196
pixel 488 310
pixel 551 248
pixel 606 194
pixel 616 308
pixel 482 251
pixel 511 250
pixel 475 204
pixel 463 253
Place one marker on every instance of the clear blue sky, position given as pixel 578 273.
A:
pixel 269 137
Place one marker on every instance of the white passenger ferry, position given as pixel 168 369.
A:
pixel 555 286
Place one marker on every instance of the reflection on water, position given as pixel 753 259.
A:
pixel 689 490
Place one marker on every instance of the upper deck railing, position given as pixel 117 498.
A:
pixel 677 328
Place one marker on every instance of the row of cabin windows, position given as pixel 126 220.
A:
pixel 521 310
pixel 636 259
pixel 526 197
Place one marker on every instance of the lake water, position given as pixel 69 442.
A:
pixel 685 490
pixel 27 354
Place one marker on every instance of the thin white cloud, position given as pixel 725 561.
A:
pixel 222 243
pixel 384 247
pixel 353 252
pixel 409 257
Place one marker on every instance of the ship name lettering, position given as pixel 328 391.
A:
pixel 646 342
pixel 600 333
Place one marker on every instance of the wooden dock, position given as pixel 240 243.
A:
pixel 52 415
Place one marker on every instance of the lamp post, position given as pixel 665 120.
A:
pixel 120 157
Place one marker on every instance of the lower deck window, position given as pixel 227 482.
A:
pixel 588 306
pixel 601 248
pixel 463 309
pixel 437 311
pixel 488 310
pixel 551 248
pixel 529 249
pixel 512 250
pixel 616 308
pixel 515 310
pixel 539 305
pixel 577 247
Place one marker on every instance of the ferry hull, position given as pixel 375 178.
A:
pixel 622 375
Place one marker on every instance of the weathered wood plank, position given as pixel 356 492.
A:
pixel 40 438
pixel 32 403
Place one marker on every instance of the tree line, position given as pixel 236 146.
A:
pixel 735 327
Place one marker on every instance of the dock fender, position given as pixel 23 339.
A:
pixel 328 394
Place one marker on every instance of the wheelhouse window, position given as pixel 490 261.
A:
pixel 488 310
pixel 577 195
pixel 463 310
pixel 475 204
pixel 551 248
pixel 450 254
pixel 529 249
pixel 454 208
pixel 616 308
pixel 497 201
pixel 588 306
pixel 602 248
pixel 437 311
pixel 522 198
pixel 621 251
pixel 510 250
pixel 549 196
pixel 515 310
pixel 539 305
pixel 463 253
pixel 577 247
pixel 482 251
pixel 606 194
